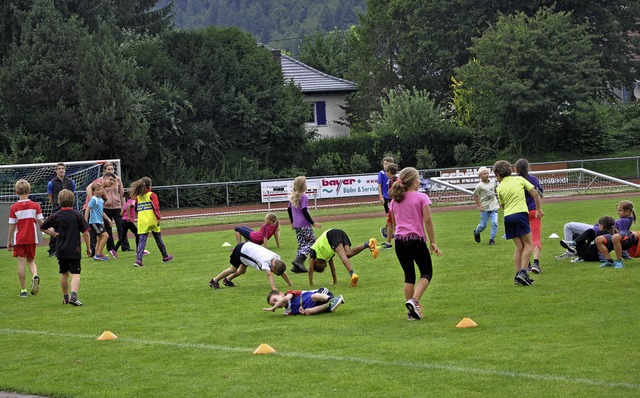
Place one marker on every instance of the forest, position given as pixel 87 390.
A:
pixel 185 94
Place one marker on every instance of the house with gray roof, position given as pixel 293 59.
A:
pixel 325 94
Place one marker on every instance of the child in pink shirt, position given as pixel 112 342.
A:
pixel 271 227
pixel 411 218
pixel 128 224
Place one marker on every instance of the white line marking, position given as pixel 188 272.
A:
pixel 365 361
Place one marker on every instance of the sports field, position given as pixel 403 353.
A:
pixel 573 333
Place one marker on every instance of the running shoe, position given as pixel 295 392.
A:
pixel 113 253
pixel 228 283
pixel 522 277
pixel 100 257
pixel 414 308
pixel 536 268
pixel 616 264
pixel 386 245
pixel 577 260
pixel 373 246
pixel 24 294
pixel 146 253
pixel 383 232
pixel 214 284
pixel 569 245
pixel 75 302
pixel 335 303
pixel 354 280
pixel 35 285
pixel 476 236
pixel 138 263
pixel 167 259
pixel 565 255
pixel 606 263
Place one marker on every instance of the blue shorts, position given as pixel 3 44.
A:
pixel 516 225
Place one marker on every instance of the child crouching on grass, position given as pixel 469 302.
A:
pixel 516 217
pixel 304 302
pixel 66 225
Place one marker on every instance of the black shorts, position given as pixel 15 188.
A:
pixel 337 237
pixel 71 266
pixel 98 228
pixel 236 255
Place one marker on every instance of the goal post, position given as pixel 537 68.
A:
pixel 39 174
pixel 561 182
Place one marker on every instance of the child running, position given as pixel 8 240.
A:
pixel 271 227
pixel 66 225
pixel 487 203
pixel 148 209
pixel 301 222
pixel 516 217
pixel 411 218
pixel 304 302
pixel 24 235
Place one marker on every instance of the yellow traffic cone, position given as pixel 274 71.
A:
pixel 107 335
pixel 264 349
pixel 466 323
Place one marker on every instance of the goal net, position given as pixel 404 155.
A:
pixel 39 175
pixel 562 182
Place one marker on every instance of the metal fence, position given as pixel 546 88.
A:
pixel 234 193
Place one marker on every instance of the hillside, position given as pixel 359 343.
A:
pixel 278 23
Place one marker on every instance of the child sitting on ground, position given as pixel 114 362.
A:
pixel 271 227
pixel 248 254
pixel 305 302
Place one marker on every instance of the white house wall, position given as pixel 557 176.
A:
pixel 336 116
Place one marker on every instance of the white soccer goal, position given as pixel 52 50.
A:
pixel 39 175
pixel 562 182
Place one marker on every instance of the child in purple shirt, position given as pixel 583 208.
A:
pixel 301 222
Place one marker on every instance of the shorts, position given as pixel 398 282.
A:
pixel 71 266
pixel 98 229
pixel 28 251
pixel 516 225
pixel 337 237
pixel 235 259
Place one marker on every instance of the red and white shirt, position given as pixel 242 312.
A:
pixel 25 213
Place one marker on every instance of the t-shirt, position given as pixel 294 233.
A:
pixel 300 299
pixel 322 247
pixel 511 194
pixel 383 180
pixel 56 185
pixel 531 203
pixel 69 224
pixel 408 214
pixel 266 231
pixel 486 193
pixel 129 213
pixel 24 214
pixel 256 256
pixel 96 207
pixel 299 220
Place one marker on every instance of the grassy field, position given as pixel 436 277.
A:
pixel 574 333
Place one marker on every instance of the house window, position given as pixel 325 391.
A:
pixel 318 115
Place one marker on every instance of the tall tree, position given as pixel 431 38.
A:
pixel 530 73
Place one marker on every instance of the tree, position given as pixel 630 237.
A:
pixel 529 74
pixel 328 52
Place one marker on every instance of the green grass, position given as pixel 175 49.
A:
pixel 574 333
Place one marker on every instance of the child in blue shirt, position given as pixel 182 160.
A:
pixel 95 216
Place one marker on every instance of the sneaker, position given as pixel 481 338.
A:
pixel 492 242
pixel 606 263
pixel 616 264
pixel 227 283
pixel 354 280
pixel 383 232
pixel 373 246
pixel 113 253
pixel 565 255
pixel 75 302
pixel 146 253
pixel 524 280
pixel 99 257
pixel 569 245
pixel 536 268
pixel 24 294
pixel 516 281
pixel 167 259
pixel 625 256
pixel 214 284
pixel 577 260
pixel 409 317
pixel 65 300
pixel 138 263
pixel 335 303
pixel 476 236
pixel 35 285
pixel 386 245
pixel 529 268
pixel 414 309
